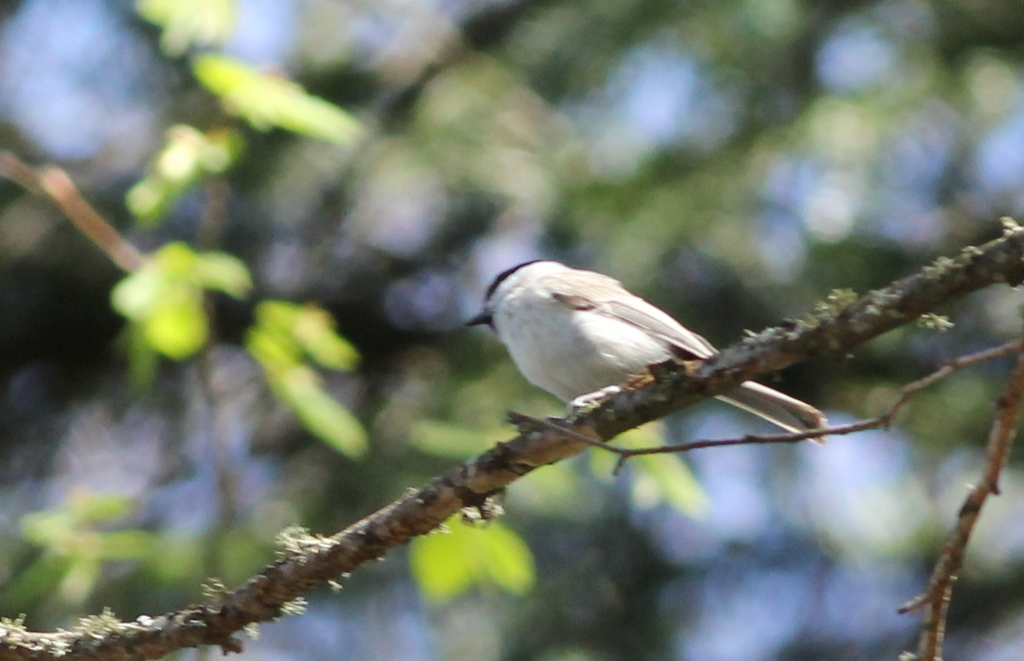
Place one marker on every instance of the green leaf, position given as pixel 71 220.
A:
pixel 177 326
pixel 510 563
pixel 272 349
pixel 187 22
pixel 71 535
pixel 165 297
pixel 40 579
pixel 279 340
pixel 223 272
pixel 48 527
pixel 442 564
pixel 314 332
pixel 266 101
pixel 176 261
pixel 186 157
pixel 310 330
pixel 446 565
pixel 137 293
pixel 300 388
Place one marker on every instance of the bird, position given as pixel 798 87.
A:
pixel 582 336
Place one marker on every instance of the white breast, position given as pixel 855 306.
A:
pixel 572 352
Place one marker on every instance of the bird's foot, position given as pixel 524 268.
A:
pixel 591 400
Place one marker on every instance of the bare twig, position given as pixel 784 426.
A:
pixel 524 423
pixel 934 601
pixel 55 185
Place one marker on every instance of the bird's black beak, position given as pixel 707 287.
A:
pixel 484 318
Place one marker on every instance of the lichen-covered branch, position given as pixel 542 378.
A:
pixel 307 561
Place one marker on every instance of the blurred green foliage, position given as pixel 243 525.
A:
pixel 164 298
pixel 462 556
pixel 190 22
pixel 187 156
pixel 266 101
pixel 75 546
pixel 284 336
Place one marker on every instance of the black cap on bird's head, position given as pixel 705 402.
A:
pixel 486 316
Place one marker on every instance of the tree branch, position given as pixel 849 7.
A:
pixel 934 601
pixel 55 185
pixel 307 561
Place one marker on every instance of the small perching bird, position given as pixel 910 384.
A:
pixel 581 336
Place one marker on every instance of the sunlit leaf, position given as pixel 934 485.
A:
pixel 446 565
pixel 165 297
pixel 442 564
pixel 314 331
pixel 188 22
pixel 273 349
pixel 266 101
pixel 278 314
pixel 137 294
pixel 187 156
pixel 177 326
pixel 310 329
pixel 223 272
pixel 175 260
pixel 283 335
pixel 509 561
pixel 48 527
pixel 300 388
pixel 82 510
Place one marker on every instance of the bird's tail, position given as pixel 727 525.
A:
pixel 779 409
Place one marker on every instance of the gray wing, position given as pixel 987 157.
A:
pixel 607 296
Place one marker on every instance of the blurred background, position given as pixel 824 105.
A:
pixel 733 162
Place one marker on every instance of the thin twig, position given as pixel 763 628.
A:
pixel 525 422
pixel 55 185
pixel 934 601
